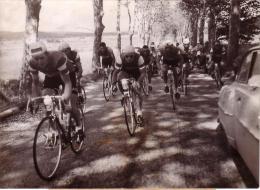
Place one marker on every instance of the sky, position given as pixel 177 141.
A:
pixel 61 15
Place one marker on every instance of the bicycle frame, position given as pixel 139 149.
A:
pixel 55 112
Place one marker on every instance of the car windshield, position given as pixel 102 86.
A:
pixel 254 78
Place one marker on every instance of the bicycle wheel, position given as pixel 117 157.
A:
pixel 106 88
pixel 130 118
pixel 77 138
pixel 145 86
pixel 47 148
pixel 83 99
pixel 172 97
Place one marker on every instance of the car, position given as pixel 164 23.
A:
pixel 239 110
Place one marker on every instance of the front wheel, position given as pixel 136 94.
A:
pixel 106 88
pixel 47 148
pixel 77 137
pixel 130 118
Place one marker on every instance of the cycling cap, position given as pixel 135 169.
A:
pixel 37 48
pixel 186 41
pixel 63 46
pixel 128 50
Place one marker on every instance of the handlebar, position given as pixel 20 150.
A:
pixel 41 98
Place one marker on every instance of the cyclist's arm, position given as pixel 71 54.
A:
pixel 141 66
pixel 64 73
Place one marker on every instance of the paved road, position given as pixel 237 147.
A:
pixel 182 149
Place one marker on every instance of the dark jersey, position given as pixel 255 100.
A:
pixel 52 64
pixel 171 56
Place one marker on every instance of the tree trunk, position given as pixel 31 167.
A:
pixel 131 26
pixel 202 24
pixel 233 44
pixel 194 29
pixel 212 29
pixel 118 26
pixel 99 28
pixel 33 8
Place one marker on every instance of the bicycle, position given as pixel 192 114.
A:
pixel 54 132
pixel 128 102
pixel 108 88
pixel 172 87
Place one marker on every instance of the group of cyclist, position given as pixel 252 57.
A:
pixel 63 67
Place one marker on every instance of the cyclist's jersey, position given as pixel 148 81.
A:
pixel 53 64
pixel 107 58
pixel 171 56
pixel 134 66
pixel 146 54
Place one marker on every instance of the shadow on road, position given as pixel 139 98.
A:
pixel 174 149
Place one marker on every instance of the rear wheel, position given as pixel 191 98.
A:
pixel 77 137
pixel 130 118
pixel 47 148
pixel 106 88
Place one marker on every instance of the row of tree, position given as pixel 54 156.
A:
pixel 157 20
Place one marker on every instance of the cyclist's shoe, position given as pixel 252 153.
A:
pixel 166 89
pixel 150 88
pixel 177 95
pixel 140 120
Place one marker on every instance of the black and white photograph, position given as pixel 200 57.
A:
pixel 119 94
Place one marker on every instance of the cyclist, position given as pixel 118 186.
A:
pixel 73 56
pixel 146 54
pixel 52 64
pixel 107 60
pixel 133 66
pixel 154 57
pixel 217 52
pixel 171 57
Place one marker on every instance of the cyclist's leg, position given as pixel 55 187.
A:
pixel 75 109
pixel 114 75
pixel 121 75
pixel 165 77
pixel 176 78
